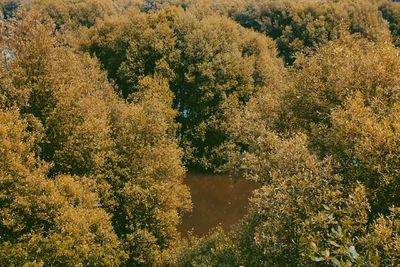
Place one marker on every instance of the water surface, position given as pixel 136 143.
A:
pixel 217 200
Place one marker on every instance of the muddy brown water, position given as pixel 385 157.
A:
pixel 217 200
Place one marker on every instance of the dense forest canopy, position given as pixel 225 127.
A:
pixel 105 105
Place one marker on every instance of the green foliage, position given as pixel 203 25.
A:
pixel 302 208
pixel 366 143
pixel 78 126
pixel 301 25
pixel 306 214
pixel 382 243
pixel 146 176
pixel 216 249
pixel 126 191
pixel 49 222
pixel 210 64
pixel 91 166
pixel 321 199
pixel 391 12
pixel 339 70
pixel 73 13
pixel 66 92
pixel 206 8
pixel 350 111
pixel 226 66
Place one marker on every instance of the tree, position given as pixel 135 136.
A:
pixel 338 70
pixel 126 152
pixel 391 12
pixel 206 8
pixel 305 213
pixel 146 176
pixel 364 139
pixel 72 14
pixel 211 64
pixel 45 221
pixel 66 92
pixel 216 249
pixel 382 243
pixel 298 26
pixel 9 8
pixel 349 110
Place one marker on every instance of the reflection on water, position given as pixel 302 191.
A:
pixel 217 199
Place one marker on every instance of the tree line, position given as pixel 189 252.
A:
pixel 105 104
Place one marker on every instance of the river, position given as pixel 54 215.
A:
pixel 217 200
